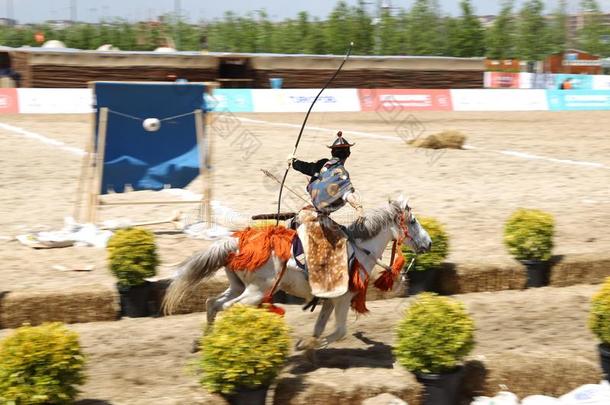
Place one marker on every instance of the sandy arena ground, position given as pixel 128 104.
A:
pixel 146 361
pixel 471 191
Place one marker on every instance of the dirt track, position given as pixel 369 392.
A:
pixel 471 191
pixel 145 361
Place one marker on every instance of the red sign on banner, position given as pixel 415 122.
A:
pixel 404 99
pixel 8 101
pixel 504 80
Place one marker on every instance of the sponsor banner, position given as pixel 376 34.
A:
pixel 579 82
pixel 601 82
pixel 9 101
pixel 578 100
pixel 234 100
pixel 299 100
pixel 499 100
pixel 55 101
pixel 404 99
pixel 502 80
pixel 527 80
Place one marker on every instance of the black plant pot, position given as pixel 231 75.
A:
pixel 421 281
pixel 247 396
pixel 134 300
pixel 604 356
pixel 441 389
pixel 538 273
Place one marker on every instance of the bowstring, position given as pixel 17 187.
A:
pixel 296 145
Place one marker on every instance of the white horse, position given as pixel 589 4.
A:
pixel 371 236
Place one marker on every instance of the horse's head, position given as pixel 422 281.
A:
pixel 408 227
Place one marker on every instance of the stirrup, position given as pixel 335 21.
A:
pixel 311 305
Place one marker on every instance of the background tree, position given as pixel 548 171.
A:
pixel 388 34
pixel 470 37
pixel 362 30
pixel 423 31
pixel 337 29
pixel 590 36
pixel 558 28
pixel 315 43
pixel 532 32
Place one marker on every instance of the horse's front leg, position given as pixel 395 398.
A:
pixel 342 305
pixel 312 342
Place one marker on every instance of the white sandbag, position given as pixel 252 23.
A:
pixel 540 400
pixel 589 394
pixel 502 398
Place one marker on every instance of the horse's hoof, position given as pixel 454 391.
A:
pixel 195 348
pixel 310 355
pixel 306 344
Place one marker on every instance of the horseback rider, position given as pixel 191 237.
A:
pixel 329 184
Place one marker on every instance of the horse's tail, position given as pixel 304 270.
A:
pixel 195 270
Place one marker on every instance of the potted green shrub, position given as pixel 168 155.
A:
pixel 243 353
pixel 434 336
pixel 132 256
pixel 599 323
pixel 528 235
pixel 40 365
pixel 423 273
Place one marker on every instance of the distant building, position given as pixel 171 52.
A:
pixel 60 24
pixel 487 20
pixel 573 61
pixel 8 22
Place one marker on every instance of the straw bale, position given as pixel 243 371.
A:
pixel 479 277
pixel 345 386
pixel 441 140
pixel 546 373
pixel 590 268
pixel 86 303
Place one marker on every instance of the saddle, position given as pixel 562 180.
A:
pixel 326 256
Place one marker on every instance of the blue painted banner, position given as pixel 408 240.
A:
pixel 579 82
pixel 234 100
pixel 578 100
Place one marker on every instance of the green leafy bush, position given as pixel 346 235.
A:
pixel 599 315
pixel 435 335
pixel 528 234
pixel 440 247
pixel 132 254
pixel 40 365
pixel 246 348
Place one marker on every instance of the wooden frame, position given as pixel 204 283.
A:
pixel 92 170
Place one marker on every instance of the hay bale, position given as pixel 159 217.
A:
pixel 524 374
pixel 87 303
pixel 480 277
pixel 194 302
pixel 345 387
pixel 442 140
pixel 580 269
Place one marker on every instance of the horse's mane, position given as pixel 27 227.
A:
pixel 374 222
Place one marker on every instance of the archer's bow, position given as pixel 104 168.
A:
pixel 296 145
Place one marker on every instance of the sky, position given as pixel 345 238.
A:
pixel 32 11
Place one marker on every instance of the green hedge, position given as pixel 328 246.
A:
pixel 528 234
pixel 40 365
pixel 132 255
pixel 246 348
pixel 599 315
pixel 435 334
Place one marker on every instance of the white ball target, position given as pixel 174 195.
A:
pixel 151 124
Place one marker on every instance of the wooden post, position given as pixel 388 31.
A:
pixel 99 164
pixel 85 171
pixel 204 159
